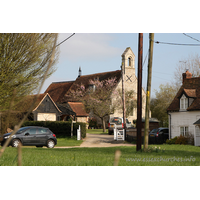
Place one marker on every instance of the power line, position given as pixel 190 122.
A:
pixel 169 43
pixel 60 43
pixel 65 40
pixel 191 37
pixel 145 58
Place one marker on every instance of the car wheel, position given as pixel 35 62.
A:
pixel 16 143
pixel 50 144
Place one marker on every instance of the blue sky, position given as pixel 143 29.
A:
pixel 101 52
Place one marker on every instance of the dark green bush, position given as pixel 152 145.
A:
pixel 171 141
pixel 60 128
pixel 92 122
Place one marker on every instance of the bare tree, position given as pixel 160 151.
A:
pixel 192 64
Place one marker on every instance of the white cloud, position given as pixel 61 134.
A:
pixel 86 46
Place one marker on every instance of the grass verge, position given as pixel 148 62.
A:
pixel 97 131
pixel 68 141
pixel 167 155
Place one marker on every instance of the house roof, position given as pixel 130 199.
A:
pixel 197 122
pixel 78 108
pixel 191 88
pixel 57 90
pixel 190 92
pixel 65 110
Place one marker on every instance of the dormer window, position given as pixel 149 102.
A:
pixel 92 87
pixel 183 102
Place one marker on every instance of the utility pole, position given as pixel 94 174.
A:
pixel 146 129
pixel 139 93
pixel 123 98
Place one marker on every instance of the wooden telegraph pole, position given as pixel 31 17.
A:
pixel 139 92
pixel 146 129
pixel 123 98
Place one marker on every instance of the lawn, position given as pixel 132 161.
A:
pixel 97 131
pixel 167 155
pixel 68 141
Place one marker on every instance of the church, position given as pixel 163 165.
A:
pixel 53 105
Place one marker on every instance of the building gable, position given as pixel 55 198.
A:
pixel 191 89
pixel 47 105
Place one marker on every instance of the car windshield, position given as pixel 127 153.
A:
pixel 116 120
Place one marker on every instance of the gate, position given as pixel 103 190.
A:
pixel 197 136
pixel 118 134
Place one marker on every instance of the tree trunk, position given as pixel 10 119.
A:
pixel 103 124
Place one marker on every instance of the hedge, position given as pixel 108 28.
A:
pixel 60 128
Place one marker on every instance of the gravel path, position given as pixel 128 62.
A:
pixel 95 140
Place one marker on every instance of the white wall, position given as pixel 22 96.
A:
pixel 179 119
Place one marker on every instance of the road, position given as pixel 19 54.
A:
pixel 95 140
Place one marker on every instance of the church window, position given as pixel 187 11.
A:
pixel 129 61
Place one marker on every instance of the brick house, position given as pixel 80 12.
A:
pixel 184 111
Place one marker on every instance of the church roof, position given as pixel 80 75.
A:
pixel 126 51
pixel 59 90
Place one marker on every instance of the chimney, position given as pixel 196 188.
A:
pixel 79 72
pixel 186 75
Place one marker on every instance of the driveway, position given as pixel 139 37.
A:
pixel 95 140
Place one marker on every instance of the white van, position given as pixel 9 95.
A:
pixel 119 124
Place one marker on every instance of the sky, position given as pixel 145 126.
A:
pixel 101 52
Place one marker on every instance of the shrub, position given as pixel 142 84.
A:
pixel 171 141
pixel 93 122
pixel 181 140
pixel 60 128
pixel 190 139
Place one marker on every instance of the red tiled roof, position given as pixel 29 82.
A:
pixel 190 92
pixel 100 76
pixel 191 88
pixel 78 108
pixel 58 90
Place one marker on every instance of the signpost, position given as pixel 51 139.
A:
pixel 79 133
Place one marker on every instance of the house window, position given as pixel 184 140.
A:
pixel 183 103
pixel 184 130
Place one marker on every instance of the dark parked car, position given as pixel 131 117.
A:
pixel 32 136
pixel 158 135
